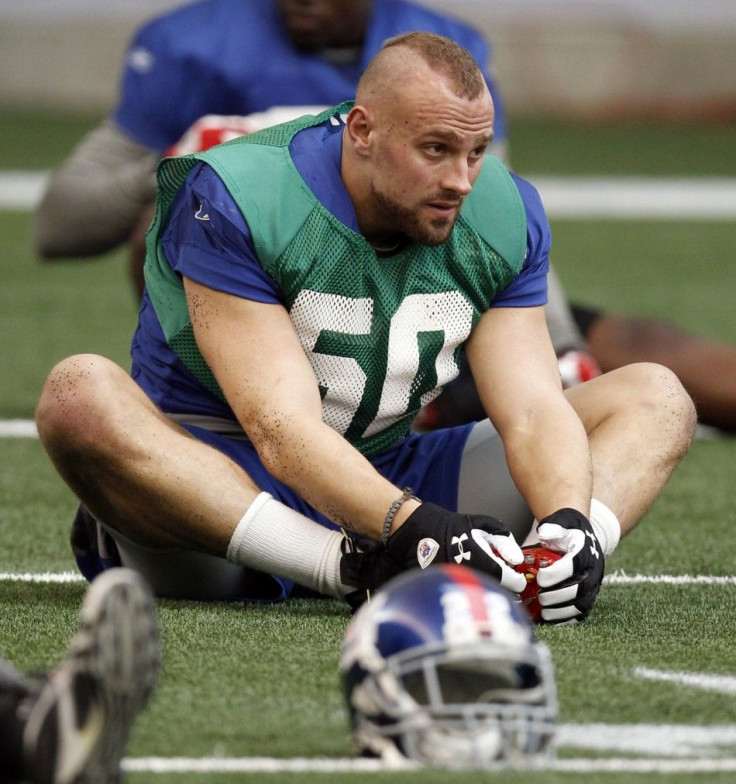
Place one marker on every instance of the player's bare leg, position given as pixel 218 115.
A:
pixel 640 423
pixel 133 467
pixel 149 480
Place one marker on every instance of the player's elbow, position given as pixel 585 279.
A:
pixel 282 441
pixel 49 244
pixel 54 249
pixel 56 236
pixel 271 451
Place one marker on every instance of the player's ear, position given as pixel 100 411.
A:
pixel 359 124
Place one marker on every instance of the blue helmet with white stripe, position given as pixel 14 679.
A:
pixel 443 668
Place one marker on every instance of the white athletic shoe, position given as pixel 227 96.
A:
pixel 78 724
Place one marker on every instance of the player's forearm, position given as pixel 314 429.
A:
pixel 330 474
pixel 94 199
pixel 550 461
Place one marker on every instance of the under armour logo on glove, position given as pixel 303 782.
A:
pixel 593 543
pixel 462 555
pixel 569 587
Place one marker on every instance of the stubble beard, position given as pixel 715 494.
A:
pixel 407 221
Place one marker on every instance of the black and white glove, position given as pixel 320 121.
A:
pixel 429 535
pixel 568 587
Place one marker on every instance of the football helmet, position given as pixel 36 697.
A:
pixel 442 667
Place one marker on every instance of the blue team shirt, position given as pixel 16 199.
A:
pixel 233 57
pixel 207 239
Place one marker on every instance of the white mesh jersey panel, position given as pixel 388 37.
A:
pixel 344 379
pixel 448 313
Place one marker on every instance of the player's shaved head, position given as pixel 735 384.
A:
pixel 398 65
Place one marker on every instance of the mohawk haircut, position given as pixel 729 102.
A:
pixel 442 55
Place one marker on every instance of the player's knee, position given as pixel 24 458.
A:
pixel 69 409
pixel 661 397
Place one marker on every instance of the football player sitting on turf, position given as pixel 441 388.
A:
pixel 72 726
pixel 308 288
pixel 443 668
pixel 459 403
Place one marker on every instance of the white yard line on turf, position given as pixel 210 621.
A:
pixel 662 748
pixel 18 428
pixel 644 198
pixel 21 190
pixel 652 740
pixel 626 765
pixel 41 577
pixel 621 578
pixel 638 198
pixel 348 765
pixel 723 684
pixel 616 578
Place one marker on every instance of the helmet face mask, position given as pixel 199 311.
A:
pixel 430 682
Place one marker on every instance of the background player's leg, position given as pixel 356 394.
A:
pixel 706 368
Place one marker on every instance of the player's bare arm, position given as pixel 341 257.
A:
pixel 545 441
pixel 256 357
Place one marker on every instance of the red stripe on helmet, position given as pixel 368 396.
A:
pixel 474 589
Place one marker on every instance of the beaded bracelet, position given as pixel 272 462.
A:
pixel 393 509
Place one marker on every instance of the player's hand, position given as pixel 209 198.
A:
pixel 433 535
pixel 569 586
pixel 365 568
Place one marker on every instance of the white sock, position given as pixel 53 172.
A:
pixel 275 539
pixel 605 526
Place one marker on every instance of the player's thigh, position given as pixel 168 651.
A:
pixel 486 486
